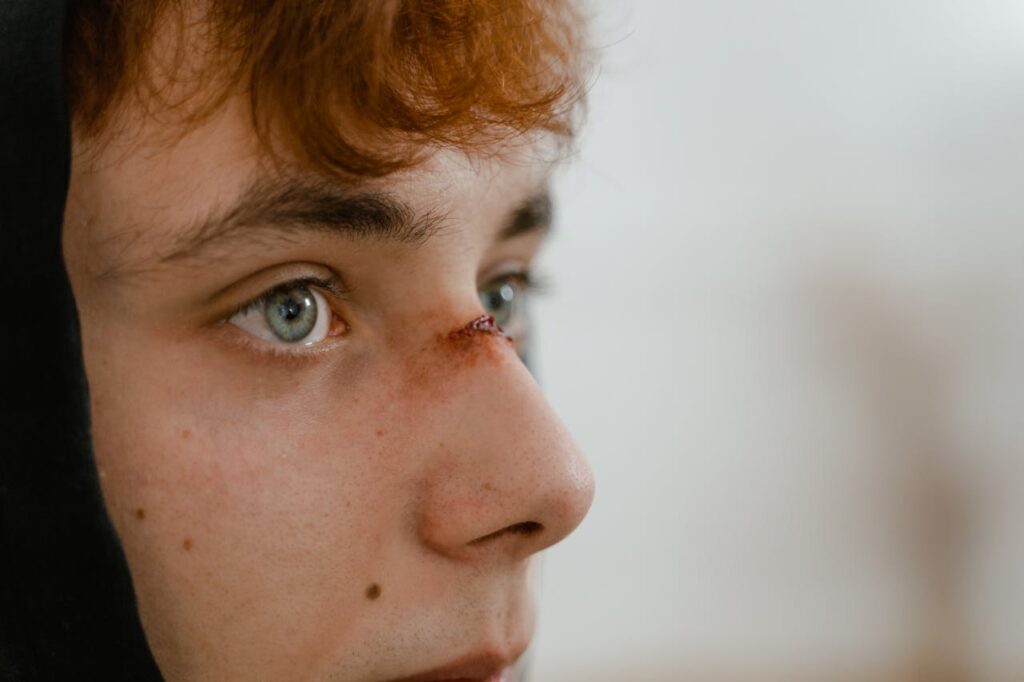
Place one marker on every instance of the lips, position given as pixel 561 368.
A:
pixel 473 668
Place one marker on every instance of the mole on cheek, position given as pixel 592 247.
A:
pixel 187 545
pixel 185 434
pixel 373 591
pixel 140 513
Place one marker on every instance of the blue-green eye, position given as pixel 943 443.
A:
pixel 505 300
pixel 293 314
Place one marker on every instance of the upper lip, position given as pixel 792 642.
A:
pixel 476 667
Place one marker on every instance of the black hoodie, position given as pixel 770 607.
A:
pixel 67 611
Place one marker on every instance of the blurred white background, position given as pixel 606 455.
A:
pixel 787 328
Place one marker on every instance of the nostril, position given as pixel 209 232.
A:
pixel 526 528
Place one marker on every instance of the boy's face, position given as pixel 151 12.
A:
pixel 345 479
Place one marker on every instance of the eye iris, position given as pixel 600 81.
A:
pixel 291 314
pixel 500 303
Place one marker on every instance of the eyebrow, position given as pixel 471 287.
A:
pixel 294 206
pixel 533 215
pixel 299 205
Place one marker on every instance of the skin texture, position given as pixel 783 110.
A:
pixel 364 509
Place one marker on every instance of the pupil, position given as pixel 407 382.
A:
pixel 290 309
pixel 500 302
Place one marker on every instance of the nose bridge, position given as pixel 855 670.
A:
pixel 507 479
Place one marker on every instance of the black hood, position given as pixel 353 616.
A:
pixel 67 611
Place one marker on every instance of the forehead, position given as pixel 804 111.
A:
pixel 135 194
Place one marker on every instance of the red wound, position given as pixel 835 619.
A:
pixel 481 340
pixel 484 324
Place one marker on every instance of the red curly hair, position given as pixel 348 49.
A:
pixel 347 87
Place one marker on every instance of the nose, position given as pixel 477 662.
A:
pixel 508 480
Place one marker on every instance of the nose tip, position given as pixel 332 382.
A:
pixel 510 481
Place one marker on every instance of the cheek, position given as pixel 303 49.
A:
pixel 246 511
pixel 282 464
pixel 257 505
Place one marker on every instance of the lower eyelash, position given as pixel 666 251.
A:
pixel 277 355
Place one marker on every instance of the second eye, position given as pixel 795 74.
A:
pixel 505 299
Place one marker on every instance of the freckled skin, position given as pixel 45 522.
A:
pixel 418 450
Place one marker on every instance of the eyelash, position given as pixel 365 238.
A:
pixel 531 282
pixel 332 286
